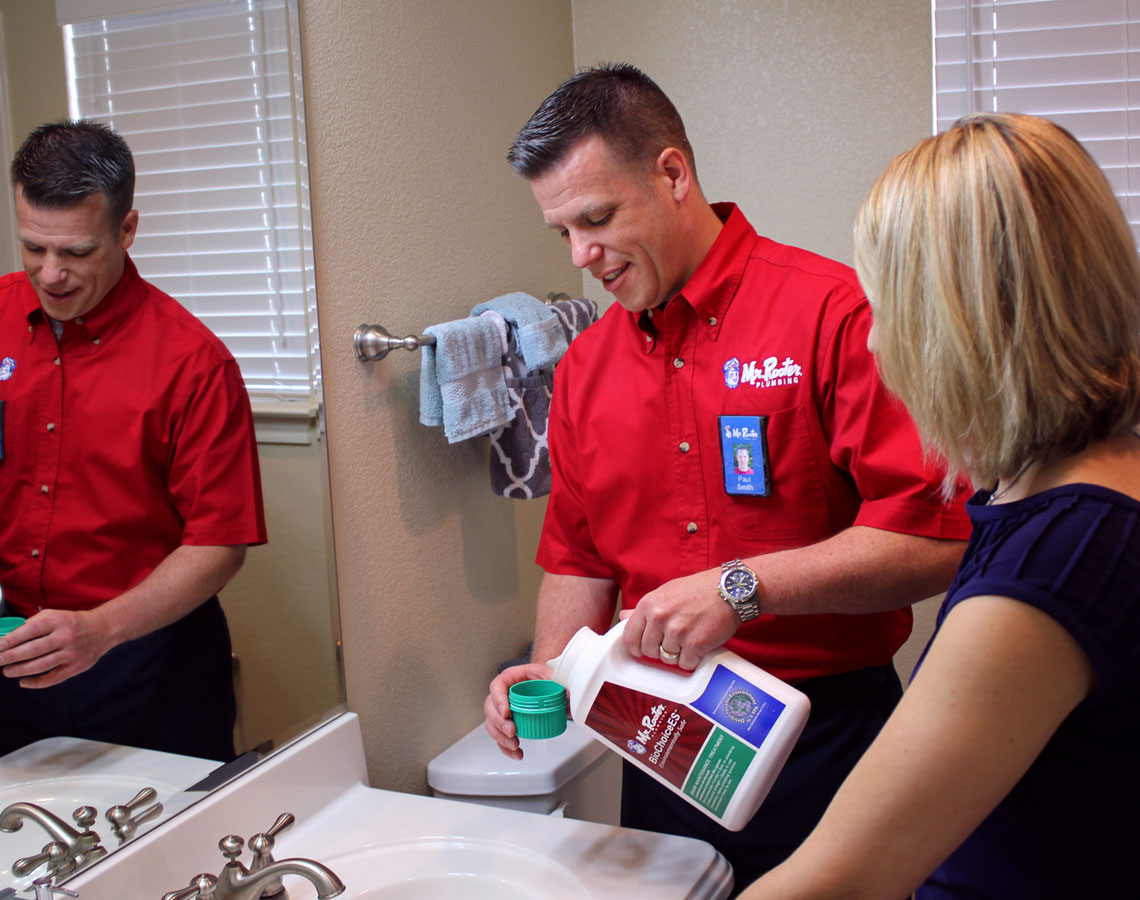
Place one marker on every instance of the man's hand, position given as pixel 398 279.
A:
pixel 685 616
pixel 52 646
pixel 497 705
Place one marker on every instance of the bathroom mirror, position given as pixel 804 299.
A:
pixel 281 606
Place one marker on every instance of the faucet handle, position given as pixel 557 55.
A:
pixel 45 890
pixel 125 825
pixel 122 816
pixel 120 813
pixel 231 846
pixel 262 847
pixel 201 886
pixel 85 817
pixel 56 854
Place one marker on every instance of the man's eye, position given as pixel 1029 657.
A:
pixel 602 221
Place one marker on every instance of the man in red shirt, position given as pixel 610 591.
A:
pixel 721 341
pixel 128 472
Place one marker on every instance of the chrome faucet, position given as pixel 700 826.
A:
pixel 78 847
pixel 236 882
pixel 13 816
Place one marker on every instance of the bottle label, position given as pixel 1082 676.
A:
pixel 686 745
pixel 739 706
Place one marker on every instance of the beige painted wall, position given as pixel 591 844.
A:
pixel 793 109
pixel 411 107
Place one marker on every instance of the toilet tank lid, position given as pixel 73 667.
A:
pixel 474 765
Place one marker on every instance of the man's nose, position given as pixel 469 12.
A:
pixel 53 270
pixel 583 250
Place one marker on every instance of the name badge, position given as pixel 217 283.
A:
pixel 744 454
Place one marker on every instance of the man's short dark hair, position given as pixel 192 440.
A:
pixel 616 101
pixel 62 163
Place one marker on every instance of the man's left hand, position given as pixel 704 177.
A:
pixel 52 646
pixel 685 616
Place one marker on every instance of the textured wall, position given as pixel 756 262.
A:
pixel 793 108
pixel 417 217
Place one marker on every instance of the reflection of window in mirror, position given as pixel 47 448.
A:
pixel 208 96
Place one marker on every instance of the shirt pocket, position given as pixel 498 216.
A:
pixel 795 508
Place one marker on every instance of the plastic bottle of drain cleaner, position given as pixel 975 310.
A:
pixel 717 736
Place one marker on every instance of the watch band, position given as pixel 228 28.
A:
pixel 738 587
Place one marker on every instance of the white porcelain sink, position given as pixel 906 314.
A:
pixel 453 869
pixel 62 774
pixel 387 845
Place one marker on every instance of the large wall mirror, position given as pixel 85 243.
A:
pixel 282 606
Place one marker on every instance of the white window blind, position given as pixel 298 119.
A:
pixel 209 98
pixel 1076 62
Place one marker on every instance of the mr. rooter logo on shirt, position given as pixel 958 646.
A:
pixel 665 735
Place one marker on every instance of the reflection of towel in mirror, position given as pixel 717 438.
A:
pixel 520 457
pixel 461 379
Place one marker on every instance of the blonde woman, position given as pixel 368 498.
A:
pixel 1006 297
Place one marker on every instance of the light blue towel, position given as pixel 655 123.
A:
pixel 538 331
pixel 462 386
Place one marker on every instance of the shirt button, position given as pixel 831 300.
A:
pixel 684 445
pixel 56 360
pixel 648 338
pixel 95 340
pixel 691 528
pixel 51 426
pixel 712 320
pixel 678 363
pixel 43 488
pixel 35 553
pixel 79 320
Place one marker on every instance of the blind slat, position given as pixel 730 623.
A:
pixel 1067 60
pixel 209 101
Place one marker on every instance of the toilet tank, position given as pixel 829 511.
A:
pixel 570 775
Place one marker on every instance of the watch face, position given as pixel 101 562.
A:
pixel 739 583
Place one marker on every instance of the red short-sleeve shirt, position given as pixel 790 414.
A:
pixel 638 490
pixel 125 438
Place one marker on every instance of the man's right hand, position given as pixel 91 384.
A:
pixel 497 705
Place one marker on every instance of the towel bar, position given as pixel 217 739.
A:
pixel 373 342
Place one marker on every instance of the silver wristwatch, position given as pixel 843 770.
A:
pixel 738 586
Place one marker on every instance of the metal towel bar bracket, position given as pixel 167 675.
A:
pixel 373 342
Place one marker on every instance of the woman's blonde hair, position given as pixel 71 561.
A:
pixel 1006 294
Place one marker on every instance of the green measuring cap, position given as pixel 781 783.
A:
pixel 538 708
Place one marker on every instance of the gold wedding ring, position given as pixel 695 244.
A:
pixel 666 655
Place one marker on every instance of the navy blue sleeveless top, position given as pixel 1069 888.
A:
pixel 1070 827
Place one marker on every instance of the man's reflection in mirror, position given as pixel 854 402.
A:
pixel 129 473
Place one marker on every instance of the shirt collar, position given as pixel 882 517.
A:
pixel 713 285
pixel 108 314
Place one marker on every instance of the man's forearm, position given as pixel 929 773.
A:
pixel 567 603
pixel 188 577
pixel 859 570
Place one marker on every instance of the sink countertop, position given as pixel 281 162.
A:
pixel 609 862
pixel 322 780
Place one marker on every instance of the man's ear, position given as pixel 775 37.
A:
pixel 673 167
pixel 128 228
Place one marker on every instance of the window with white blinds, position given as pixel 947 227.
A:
pixel 209 97
pixel 1071 61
